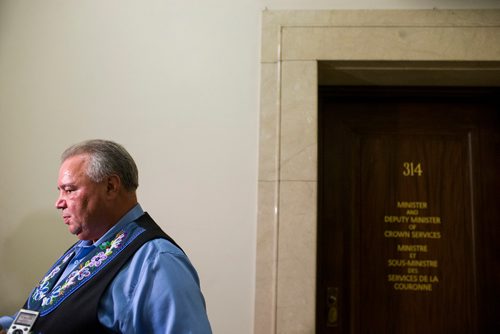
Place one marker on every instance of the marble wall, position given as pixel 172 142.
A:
pixel 292 44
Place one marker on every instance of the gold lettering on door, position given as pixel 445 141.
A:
pixel 412 169
pixel 410 268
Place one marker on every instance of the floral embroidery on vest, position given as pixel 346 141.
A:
pixel 45 297
pixel 44 286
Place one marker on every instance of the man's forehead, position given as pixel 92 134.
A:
pixel 76 161
pixel 73 167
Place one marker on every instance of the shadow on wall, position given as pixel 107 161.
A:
pixel 27 253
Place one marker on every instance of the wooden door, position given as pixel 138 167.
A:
pixel 408 211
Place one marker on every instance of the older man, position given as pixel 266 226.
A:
pixel 124 275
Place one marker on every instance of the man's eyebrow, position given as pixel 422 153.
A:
pixel 65 185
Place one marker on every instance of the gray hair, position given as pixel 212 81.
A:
pixel 106 158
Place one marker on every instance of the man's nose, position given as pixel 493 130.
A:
pixel 60 203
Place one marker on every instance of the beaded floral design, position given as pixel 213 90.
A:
pixel 84 271
pixel 44 285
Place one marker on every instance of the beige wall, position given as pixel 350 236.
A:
pixel 177 83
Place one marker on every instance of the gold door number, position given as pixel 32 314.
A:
pixel 412 169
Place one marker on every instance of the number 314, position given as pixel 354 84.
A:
pixel 412 169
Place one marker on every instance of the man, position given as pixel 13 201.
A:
pixel 124 275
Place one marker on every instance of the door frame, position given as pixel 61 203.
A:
pixel 443 42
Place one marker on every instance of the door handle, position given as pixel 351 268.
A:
pixel 332 307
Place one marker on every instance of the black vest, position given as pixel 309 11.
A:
pixel 78 312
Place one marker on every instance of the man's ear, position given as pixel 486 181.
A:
pixel 113 185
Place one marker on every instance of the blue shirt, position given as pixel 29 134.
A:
pixel 156 291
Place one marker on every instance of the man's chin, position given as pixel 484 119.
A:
pixel 75 231
pixel 82 236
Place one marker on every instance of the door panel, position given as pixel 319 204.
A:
pixel 406 234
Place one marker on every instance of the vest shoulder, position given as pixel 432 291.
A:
pixel 159 245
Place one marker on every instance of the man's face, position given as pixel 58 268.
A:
pixel 81 201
